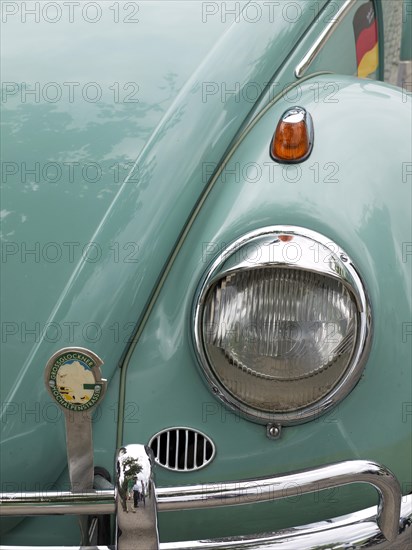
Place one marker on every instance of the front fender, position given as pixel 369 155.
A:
pixel 355 189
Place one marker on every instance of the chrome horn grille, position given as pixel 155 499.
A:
pixel 182 449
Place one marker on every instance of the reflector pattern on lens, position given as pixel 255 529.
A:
pixel 279 339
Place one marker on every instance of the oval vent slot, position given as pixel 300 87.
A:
pixel 182 449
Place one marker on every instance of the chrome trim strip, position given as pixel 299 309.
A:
pixel 243 492
pixel 186 448
pixel 177 447
pixel 195 449
pixel 317 254
pixel 324 36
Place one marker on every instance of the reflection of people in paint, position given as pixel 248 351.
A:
pixel 129 496
pixel 136 492
pixel 75 382
pixel 143 493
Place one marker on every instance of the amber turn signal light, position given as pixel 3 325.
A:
pixel 293 139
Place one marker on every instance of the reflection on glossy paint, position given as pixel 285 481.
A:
pixel 62 165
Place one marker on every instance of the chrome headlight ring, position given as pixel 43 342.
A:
pixel 288 249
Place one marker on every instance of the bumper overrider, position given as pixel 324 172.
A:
pixel 387 526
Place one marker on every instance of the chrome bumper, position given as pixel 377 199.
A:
pixel 387 526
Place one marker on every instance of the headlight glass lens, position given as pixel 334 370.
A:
pixel 282 325
pixel 279 339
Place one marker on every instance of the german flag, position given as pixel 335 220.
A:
pixel 366 38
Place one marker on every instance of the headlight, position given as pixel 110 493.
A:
pixel 282 325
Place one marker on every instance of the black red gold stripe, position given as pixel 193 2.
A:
pixel 366 38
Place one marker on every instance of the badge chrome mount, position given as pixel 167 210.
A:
pixel 74 380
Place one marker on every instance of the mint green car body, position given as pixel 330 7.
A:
pixel 197 175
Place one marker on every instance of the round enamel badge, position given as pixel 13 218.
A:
pixel 73 377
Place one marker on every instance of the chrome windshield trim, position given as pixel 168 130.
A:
pixel 242 492
pixel 324 36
